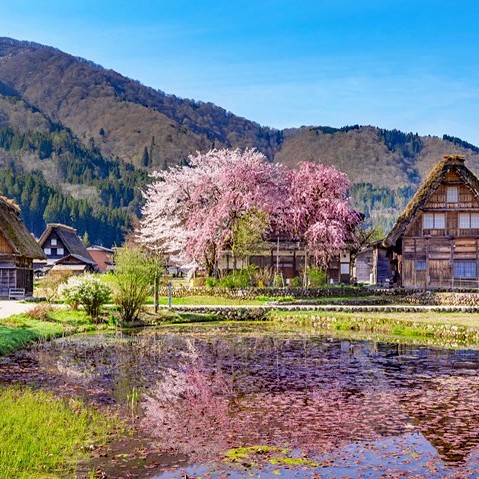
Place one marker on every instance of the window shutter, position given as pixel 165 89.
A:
pixel 439 221
pixel 452 194
pixel 464 220
pixel 428 221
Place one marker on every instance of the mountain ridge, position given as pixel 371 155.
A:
pixel 94 134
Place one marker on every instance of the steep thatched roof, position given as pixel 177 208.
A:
pixel 70 240
pixel 15 232
pixel 449 163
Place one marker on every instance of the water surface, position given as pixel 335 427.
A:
pixel 226 401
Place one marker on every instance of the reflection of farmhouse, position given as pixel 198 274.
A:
pixel 64 249
pixel 443 408
pixel 435 241
pixel 18 249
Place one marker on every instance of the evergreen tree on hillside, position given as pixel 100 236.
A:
pixel 145 158
pixel 41 204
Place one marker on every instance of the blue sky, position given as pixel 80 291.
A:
pixel 394 64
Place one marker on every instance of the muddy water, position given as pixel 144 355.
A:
pixel 225 402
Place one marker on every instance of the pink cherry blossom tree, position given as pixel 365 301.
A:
pixel 192 211
pixel 318 212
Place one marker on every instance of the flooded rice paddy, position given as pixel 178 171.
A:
pixel 235 402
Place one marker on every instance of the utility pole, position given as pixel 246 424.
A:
pixel 170 294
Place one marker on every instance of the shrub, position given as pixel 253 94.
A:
pixel 242 278
pixel 52 282
pixel 198 282
pixel 133 279
pixel 278 281
pixel 41 312
pixel 211 282
pixel 87 291
pixel 317 277
pixel 264 277
pixel 296 282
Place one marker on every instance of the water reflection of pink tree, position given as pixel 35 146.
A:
pixel 189 411
pixel 195 412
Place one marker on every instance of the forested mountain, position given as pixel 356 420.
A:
pixel 56 178
pixel 77 142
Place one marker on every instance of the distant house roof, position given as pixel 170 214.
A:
pixel 70 240
pixel 76 257
pixel 99 248
pixel 15 232
pixel 69 267
pixel 449 163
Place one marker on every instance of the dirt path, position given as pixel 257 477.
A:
pixel 7 308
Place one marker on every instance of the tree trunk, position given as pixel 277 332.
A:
pixel 305 275
pixel 156 293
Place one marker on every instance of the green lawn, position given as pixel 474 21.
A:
pixel 210 301
pixel 260 300
pixel 44 436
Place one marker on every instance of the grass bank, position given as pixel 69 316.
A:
pixel 445 327
pixel 211 300
pixel 44 436
pixel 20 330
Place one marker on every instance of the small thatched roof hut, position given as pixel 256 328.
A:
pixel 62 245
pixel 14 233
pixel 18 249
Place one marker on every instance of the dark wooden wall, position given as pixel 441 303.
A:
pixel 364 266
pixel 428 255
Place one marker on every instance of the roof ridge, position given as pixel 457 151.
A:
pixel 426 189
pixel 61 225
pixel 11 204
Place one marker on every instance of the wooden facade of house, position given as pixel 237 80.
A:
pixel 18 249
pixel 287 257
pixel 436 239
pixel 372 265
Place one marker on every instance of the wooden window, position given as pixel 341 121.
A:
pixel 452 194
pixel 47 251
pixel 420 265
pixel 469 220
pixel 434 221
pixel 53 242
pixel 60 251
pixel 464 269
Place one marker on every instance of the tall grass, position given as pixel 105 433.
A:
pixel 43 436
